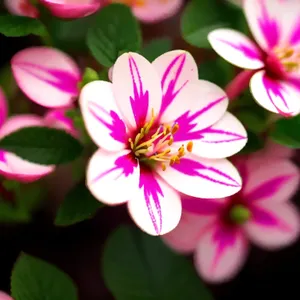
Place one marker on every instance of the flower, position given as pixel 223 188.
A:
pixel 12 166
pixel 161 130
pixel 4 296
pixel 59 8
pixel 150 11
pixel 47 76
pixel 218 230
pixel 275 61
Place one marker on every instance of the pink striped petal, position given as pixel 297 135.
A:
pixel 57 118
pixel 101 116
pixel 274 95
pixel 156 10
pixel 113 178
pixel 13 167
pixel 273 22
pixel 225 138
pixel 273 225
pixel 271 180
pixel 157 207
pixel 203 178
pixel 186 236
pixel 4 296
pixel 47 76
pixel 176 69
pixel 72 8
pixel 236 48
pixel 136 88
pixel 199 105
pixel 220 253
pixel 3 107
pixel 21 8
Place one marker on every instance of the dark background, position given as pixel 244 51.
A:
pixel 77 249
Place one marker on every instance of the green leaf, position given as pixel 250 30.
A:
pixel 35 279
pixel 202 16
pixel 156 47
pixel 42 145
pixel 286 132
pixel 255 143
pixel 217 71
pixel 137 266
pixel 78 206
pixel 16 26
pixel 89 75
pixel 115 31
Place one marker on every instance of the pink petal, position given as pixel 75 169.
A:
pixel 186 236
pixel 220 254
pixel 274 95
pixel 273 22
pixel 21 8
pixel 3 107
pixel 156 209
pixel 236 48
pixel 72 9
pixel 101 116
pixel 272 180
pixel 136 88
pixel 176 70
pixel 4 296
pixel 113 178
pixel 225 138
pixel 57 118
pixel 13 167
pixel 47 76
pixel 200 104
pixel 273 225
pixel 202 178
pixel 156 10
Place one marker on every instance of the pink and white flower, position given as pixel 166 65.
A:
pixel 151 11
pixel 161 130
pixel 274 60
pixel 60 8
pixel 47 76
pixel 4 296
pixel 218 231
pixel 12 166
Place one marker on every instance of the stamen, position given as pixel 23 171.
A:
pixel 189 146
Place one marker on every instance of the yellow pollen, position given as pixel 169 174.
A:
pixel 148 146
pixel 289 58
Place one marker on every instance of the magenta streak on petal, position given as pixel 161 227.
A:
pixel 63 80
pixel 295 82
pixel 117 127
pixel 276 90
pixel 249 52
pixel 125 164
pixel 170 93
pixel 61 117
pixel 269 27
pixel 192 168
pixel 152 190
pixel 140 100
pixel 224 238
pixel 199 206
pixel 266 218
pixel 2 156
pixel 267 188
pixel 188 122
pixel 295 37
pixel 228 136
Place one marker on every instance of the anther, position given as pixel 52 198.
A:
pixel 189 146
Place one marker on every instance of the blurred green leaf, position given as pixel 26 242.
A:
pixel 286 132
pixel 137 266
pixel 78 206
pixel 202 16
pixel 42 145
pixel 89 75
pixel 115 31
pixel 255 143
pixel 35 279
pixel 16 26
pixel 156 47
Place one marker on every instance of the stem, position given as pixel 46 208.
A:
pixel 239 84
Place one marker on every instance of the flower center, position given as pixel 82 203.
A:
pixel 150 145
pixel 131 2
pixel 239 214
pixel 289 58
